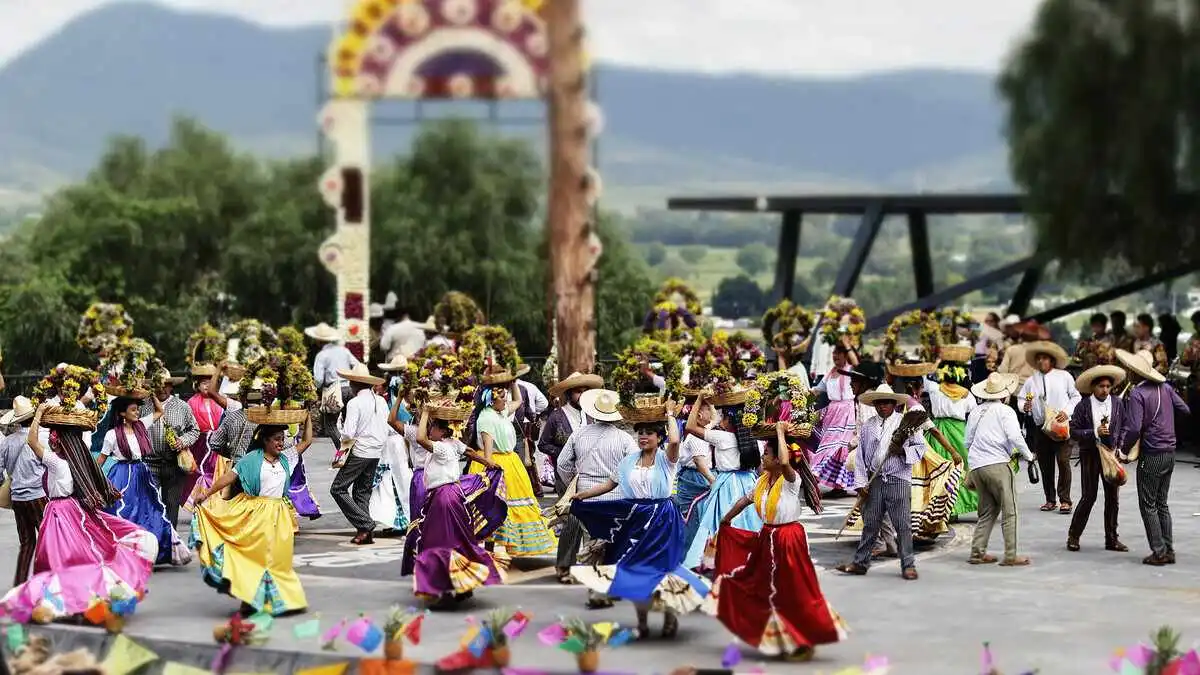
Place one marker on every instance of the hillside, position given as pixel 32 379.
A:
pixel 127 68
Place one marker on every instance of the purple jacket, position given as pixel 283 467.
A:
pixel 1083 426
pixel 1150 416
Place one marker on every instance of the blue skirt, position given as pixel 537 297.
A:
pixel 691 486
pixel 645 543
pixel 141 504
pixel 729 487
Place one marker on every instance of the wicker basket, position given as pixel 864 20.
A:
pixel 644 413
pixel 449 411
pixel 688 392
pixel 911 369
pixel 235 371
pixel 260 414
pixel 70 417
pixel 767 431
pixel 117 390
pixel 495 378
pixel 957 353
pixel 732 398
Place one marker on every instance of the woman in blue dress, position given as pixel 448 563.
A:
pixel 644 532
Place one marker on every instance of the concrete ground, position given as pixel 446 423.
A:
pixel 1063 615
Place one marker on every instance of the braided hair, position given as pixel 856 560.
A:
pixel 92 488
pixel 749 457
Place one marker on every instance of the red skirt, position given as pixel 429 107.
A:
pixel 766 592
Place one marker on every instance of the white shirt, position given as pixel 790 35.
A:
pixel 725 449
pixel 1100 410
pixel 1055 389
pixel 641 481
pixel 537 400
pixel 332 358
pixel 272 479
pixel 366 423
pixel 690 448
pixel 944 407
pixel 112 449
pixel 417 453
pixel 800 370
pixel 992 433
pixel 59 482
pixel 788 510
pixel 402 338
pixel 442 465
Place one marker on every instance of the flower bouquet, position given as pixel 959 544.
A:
pixel 206 346
pixel 456 313
pixel 663 359
pixel 437 377
pixel 401 624
pixel 102 327
pixel 842 316
pixel 70 383
pixel 787 327
pixel 776 397
pixel 957 326
pixel 726 365
pixel 291 341
pixel 930 340
pixel 585 641
pixel 248 340
pixel 674 315
pixel 131 367
pixel 287 388
pixel 485 346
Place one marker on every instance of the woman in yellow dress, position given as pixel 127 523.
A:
pixel 525 532
pixel 245 544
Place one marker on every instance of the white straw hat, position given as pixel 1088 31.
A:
pixel 601 405
pixel 883 393
pixel 1141 363
pixel 997 387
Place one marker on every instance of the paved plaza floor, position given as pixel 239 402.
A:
pixel 1064 615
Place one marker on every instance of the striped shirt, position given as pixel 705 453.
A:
pixel 594 452
pixel 233 435
pixel 19 463
pixel 178 416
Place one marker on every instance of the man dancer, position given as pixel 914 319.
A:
pixel 1151 408
pixel 25 470
pixel 164 460
pixel 889 447
pixel 333 358
pixel 1050 388
pixel 365 431
pixel 565 420
pixel 1099 418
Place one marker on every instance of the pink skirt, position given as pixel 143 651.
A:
pixel 81 556
pixel 829 460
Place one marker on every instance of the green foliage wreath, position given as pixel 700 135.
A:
pixel 660 356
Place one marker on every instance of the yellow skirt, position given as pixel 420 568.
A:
pixel 525 532
pixel 245 550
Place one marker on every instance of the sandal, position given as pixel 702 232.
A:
pixel 641 632
pixel 1015 562
pixel 565 578
pixel 599 603
pixel 801 655
pixel 1072 543
pixel 909 574
pixel 1065 508
pixel 851 568
pixel 1049 506
pixel 670 626
pixel 984 559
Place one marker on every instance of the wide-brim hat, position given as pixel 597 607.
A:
pixel 1142 364
pixel 997 387
pixel 496 376
pixel 883 393
pixel 323 332
pixel 871 371
pixel 23 409
pixel 1010 320
pixel 430 325
pixel 601 405
pixel 399 362
pixel 1033 349
pixel 523 370
pixel 360 374
pixel 204 370
pixel 1086 380
pixel 171 379
pixel 577 380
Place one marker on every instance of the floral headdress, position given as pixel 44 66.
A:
pixel 842 315
pixel 661 356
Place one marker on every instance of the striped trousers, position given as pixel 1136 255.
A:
pixel 29 518
pixel 1153 486
pixel 891 500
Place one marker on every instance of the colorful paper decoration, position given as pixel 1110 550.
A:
pixel 125 656
pixel 731 657
pixel 413 630
pixel 175 668
pixel 331 669
pixel 574 645
pixel 262 622
pixel 552 635
pixel 329 639
pixel 306 630
pixel 14 635
pixel 516 625
pixel 365 635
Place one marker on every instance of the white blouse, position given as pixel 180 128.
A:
pixel 942 406
pixel 442 466
pixel 837 387
pixel 417 454
pixel 725 449
pixel 788 510
pixel 59 482
pixel 272 479
pixel 112 449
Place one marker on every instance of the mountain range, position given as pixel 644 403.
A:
pixel 128 68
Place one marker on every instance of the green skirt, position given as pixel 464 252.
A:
pixel 955 432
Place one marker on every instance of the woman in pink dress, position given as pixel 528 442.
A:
pixel 207 405
pixel 830 461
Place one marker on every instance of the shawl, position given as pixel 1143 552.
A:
pixel 249 471
pixel 775 491
pixel 661 483
pixel 207 412
pixel 139 432
pixel 954 392
pixel 92 488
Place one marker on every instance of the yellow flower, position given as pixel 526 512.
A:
pixel 749 420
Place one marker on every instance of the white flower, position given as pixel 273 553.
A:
pixel 508 16
pixel 460 12
pixel 412 19
pixel 461 86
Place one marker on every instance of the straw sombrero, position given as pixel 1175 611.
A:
pixel 398 362
pixel 601 405
pixel 496 376
pixel 360 374
pixel 1142 364
pixel 881 394
pixel 323 332
pixel 168 378
pixel 577 380
pixel 997 387
pixel 430 325
pixel 23 409
pixel 1085 380
pixel 523 370
pixel 204 370
pixel 1061 359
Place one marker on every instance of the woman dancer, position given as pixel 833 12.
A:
pixel 950 402
pixel 766 590
pixel 208 405
pixel 643 561
pixel 695 475
pixel 246 545
pixel 736 458
pixel 830 460
pixel 82 553
pixel 392 471
pixel 458 513
pixel 127 442
pixel 524 533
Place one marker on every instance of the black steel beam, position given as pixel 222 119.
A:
pixel 918 238
pixel 789 249
pixel 856 204
pixel 932 301
pixel 1026 288
pixel 1116 292
pixel 860 248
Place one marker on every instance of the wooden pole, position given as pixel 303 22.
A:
pixel 568 215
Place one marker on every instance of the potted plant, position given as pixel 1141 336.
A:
pixel 585 641
pixel 401 624
pixel 502 625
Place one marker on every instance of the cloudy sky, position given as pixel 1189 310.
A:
pixel 815 37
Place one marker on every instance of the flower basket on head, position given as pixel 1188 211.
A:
pixel 248 341
pixel 456 313
pixel 130 367
pixel 436 375
pixel 102 327
pixel 958 329
pixel 205 347
pixel 449 409
pixel 726 365
pixel 287 384
pixel 70 383
pixel 484 346
pixel 675 315
pixel 262 415
pixel 842 316
pixel 930 344
pixel 646 408
pixel 777 397
pixel 661 358
pixel 291 341
pixel 787 328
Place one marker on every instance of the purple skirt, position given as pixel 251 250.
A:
pixel 454 517
pixel 301 497
pixel 416 494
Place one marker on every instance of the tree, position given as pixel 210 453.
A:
pixel 656 252
pixel 739 297
pixel 693 254
pixel 754 258
pixel 1103 120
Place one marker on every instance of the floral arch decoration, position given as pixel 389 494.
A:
pixel 930 340
pixel 417 50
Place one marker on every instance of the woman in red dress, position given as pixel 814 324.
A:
pixel 766 591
